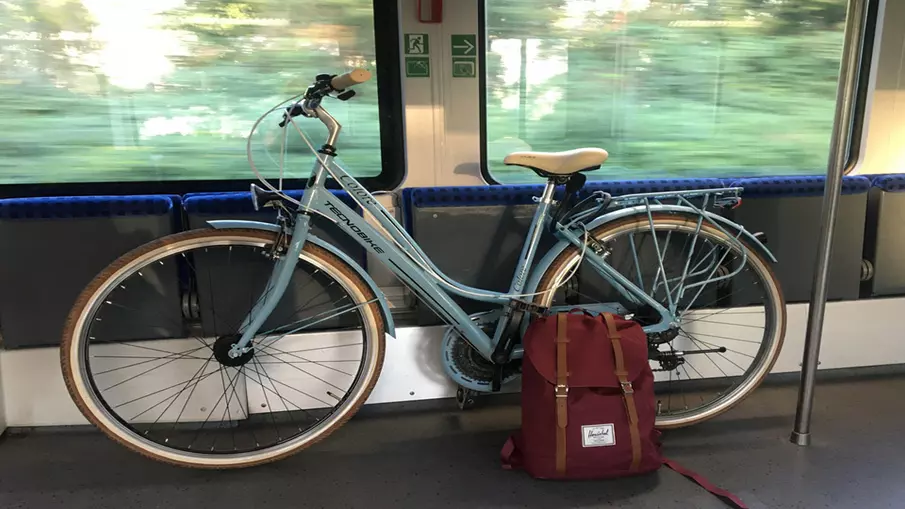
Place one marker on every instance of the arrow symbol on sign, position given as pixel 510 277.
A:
pixel 468 46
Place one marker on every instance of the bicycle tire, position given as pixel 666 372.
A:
pixel 86 401
pixel 562 264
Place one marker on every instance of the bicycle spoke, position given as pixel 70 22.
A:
pixel 660 255
pixel 275 396
pixel 634 249
pixel 120 306
pixel 299 329
pixel 176 397
pixel 268 335
pixel 189 397
pixel 141 374
pixel 727 338
pixel 709 277
pixel 312 362
pixel 254 303
pixel 212 293
pixel 716 266
pixel 711 345
pixel 308 372
pixel 718 299
pixel 661 269
pixel 263 373
pixel 298 391
pixel 141 347
pixel 729 323
pixel 684 400
pixel 669 393
pixel 159 391
pixel 227 416
pixel 213 408
pixel 276 429
pixel 698 344
pixel 322 348
pixel 181 356
pixel 680 287
pixel 689 379
pixel 304 306
pixel 141 357
pixel 717 366
pixel 303 360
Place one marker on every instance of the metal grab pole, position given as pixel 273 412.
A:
pixel 848 75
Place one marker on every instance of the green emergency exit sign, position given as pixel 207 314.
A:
pixel 464 45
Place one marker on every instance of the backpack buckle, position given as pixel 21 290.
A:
pixel 627 387
pixel 562 391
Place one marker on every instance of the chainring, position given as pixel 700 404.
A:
pixel 465 366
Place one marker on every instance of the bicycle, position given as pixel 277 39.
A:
pixel 124 384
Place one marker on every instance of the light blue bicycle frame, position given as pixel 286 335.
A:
pixel 401 255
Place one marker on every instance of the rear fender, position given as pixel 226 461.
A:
pixel 641 210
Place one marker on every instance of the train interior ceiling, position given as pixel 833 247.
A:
pixel 122 123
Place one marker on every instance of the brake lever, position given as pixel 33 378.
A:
pixel 321 88
pixel 291 111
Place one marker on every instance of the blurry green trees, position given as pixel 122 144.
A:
pixel 169 90
pixel 675 88
pixel 116 91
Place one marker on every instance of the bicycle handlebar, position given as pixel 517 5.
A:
pixel 349 79
pixel 322 87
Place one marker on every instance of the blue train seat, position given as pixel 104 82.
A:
pixel 53 247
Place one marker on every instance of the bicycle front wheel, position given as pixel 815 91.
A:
pixel 145 350
pixel 731 316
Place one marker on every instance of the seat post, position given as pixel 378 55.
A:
pixel 574 183
pixel 549 189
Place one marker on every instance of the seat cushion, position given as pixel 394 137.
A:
pixel 559 163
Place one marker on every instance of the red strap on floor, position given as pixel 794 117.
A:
pixel 509 455
pixel 727 497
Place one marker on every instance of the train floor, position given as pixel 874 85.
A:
pixel 438 457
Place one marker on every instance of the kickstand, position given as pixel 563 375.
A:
pixel 497 383
pixel 465 398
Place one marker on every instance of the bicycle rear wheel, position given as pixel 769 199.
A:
pixel 166 388
pixel 731 321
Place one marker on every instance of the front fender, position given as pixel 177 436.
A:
pixel 730 226
pixel 270 227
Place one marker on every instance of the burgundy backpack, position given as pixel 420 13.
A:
pixel 588 404
pixel 588 407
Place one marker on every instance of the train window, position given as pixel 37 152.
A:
pixel 670 88
pixel 166 90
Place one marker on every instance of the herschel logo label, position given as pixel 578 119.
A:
pixel 598 435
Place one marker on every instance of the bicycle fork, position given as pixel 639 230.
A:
pixel 276 286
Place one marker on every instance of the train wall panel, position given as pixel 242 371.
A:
pixel 475 234
pixel 887 251
pixel 788 211
pixel 53 247
pixel 233 280
pixel 36 396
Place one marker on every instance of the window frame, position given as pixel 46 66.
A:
pixel 863 89
pixel 855 131
pixel 390 111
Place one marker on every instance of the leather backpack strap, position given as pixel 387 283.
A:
pixel 628 393
pixel 561 390
pixel 510 455
pixel 727 497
